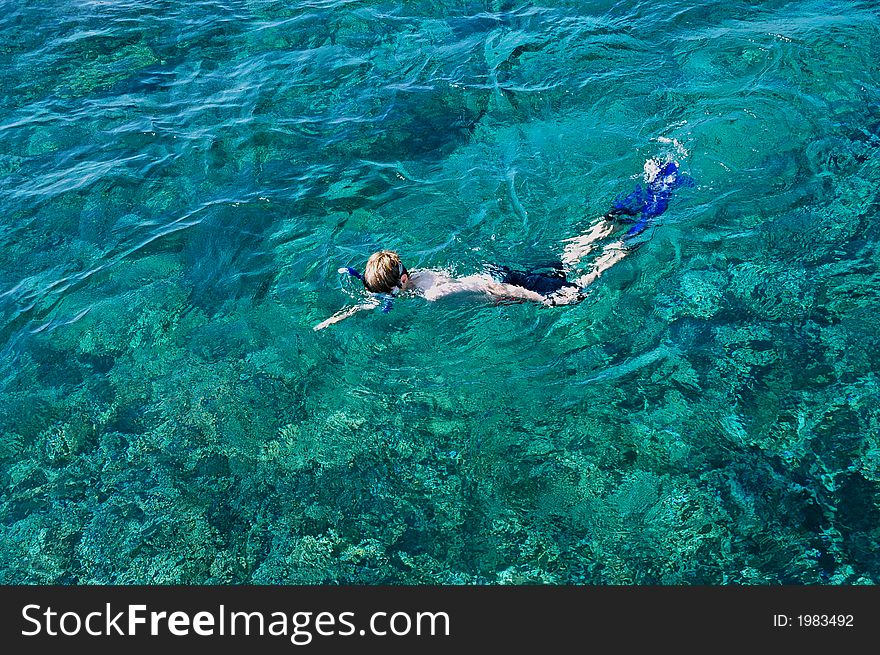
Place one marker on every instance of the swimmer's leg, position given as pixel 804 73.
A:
pixel 576 248
pixel 611 254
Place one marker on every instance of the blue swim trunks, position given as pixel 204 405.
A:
pixel 546 280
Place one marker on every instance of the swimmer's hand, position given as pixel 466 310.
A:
pixel 344 313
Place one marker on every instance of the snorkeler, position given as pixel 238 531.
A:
pixel 385 277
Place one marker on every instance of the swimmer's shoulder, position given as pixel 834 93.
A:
pixel 426 283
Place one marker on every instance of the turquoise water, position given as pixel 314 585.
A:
pixel 181 180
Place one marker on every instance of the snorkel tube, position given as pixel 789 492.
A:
pixel 352 272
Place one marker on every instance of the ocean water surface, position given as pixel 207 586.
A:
pixel 180 182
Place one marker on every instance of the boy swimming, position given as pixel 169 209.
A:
pixel 385 277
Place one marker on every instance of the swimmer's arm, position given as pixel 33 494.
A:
pixel 343 314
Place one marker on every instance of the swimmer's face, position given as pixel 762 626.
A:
pixel 405 282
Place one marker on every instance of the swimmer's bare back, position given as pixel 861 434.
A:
pixel 433 285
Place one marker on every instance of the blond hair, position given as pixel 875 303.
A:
pixel 383 271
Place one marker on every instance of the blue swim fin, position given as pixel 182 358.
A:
pixel 650 201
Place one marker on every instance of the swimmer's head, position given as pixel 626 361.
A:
pixel 385 273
